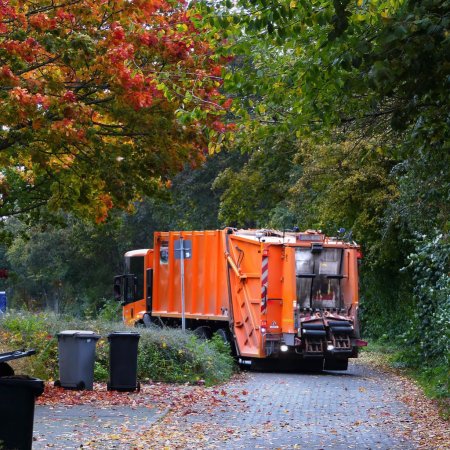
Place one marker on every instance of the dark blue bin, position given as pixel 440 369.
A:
pixel 2 302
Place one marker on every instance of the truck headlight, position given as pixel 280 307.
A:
pixel 284 348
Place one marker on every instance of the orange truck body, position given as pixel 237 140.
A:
pixel 285 295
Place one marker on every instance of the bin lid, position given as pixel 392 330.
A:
pixel 9 356
pixel 79 334
pixel 126 334
pixel 23 382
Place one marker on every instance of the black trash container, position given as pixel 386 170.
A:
pixel 123 351
pixel 17 396
pixel 5 368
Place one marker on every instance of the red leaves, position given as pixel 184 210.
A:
pixel 73 90
pixel 25 100
pixel 227 103
pixel 148 39
pixel 65 17
pixel 69 97
pixel 121 52
pixel 118 33
pixel 216 71
pixel 27 50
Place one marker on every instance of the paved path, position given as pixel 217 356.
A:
pixel 356 409
pixel 72 427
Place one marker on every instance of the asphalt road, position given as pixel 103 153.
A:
pixel 357 409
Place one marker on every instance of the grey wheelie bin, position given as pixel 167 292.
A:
pixel 17 397
pixel 76 354
pixel 123 351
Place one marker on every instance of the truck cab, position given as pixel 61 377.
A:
pixel 134 287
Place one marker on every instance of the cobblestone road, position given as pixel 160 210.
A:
pixel 357 409
pixel 337 410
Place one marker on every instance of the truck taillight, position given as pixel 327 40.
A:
pixel 360 343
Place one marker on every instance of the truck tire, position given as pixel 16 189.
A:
pixel 203 332
pixel 223 335
pixel 147 321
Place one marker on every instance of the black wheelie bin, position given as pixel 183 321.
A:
pixel 17 397
pixel 123 351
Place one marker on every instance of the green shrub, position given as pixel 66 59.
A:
pixel 110 311
pixel 165 354
pixel 171 355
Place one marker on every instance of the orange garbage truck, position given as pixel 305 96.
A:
pixel 290 297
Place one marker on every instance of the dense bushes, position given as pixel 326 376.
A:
pixel 408 313
pixel 428 338
pixel 164 354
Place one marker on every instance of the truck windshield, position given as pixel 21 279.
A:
pixel 318 278
pixel 134 265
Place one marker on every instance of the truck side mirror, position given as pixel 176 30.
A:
pixel 118 287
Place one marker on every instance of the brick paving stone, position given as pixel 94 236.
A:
pixel 357 409
pixel 71 427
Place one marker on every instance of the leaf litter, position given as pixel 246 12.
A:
pixel 175 429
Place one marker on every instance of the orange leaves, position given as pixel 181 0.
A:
pixel 42 22
pixel 7 76
pixel 105 203
pixel 26 103
pixel 67 130
pixel 28 50
pixel 149 7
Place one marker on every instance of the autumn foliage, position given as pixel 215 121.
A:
pixel 101 100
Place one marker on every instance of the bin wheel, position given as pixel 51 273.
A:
pixel 81 386
pixel 57 383
pixel 138 386
pixel 108 386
